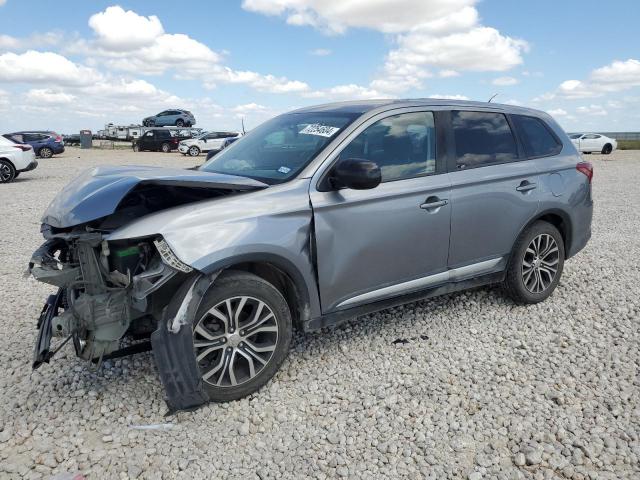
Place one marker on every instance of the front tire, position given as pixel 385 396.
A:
pixel 45 152
pixel 607 149
pixel 7 172
pixel 180 123
pixel 242 333
pixel 194 151
pixel 536 264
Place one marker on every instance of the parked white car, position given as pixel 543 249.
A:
pixel 15 158
pixel 205 143
pixel 593 142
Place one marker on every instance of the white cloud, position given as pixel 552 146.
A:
pixel 320 52
pixel 118 32
pixel 615 77
pixel 514 102
pixel 592 110
pixel 2 2
pixel 36 40
pixel 4 99
pixel 49 97
pixel 557 112
pixel 448 73
pixel 448 97
pixel 480 49
pixel 44 67
pixel 445 34
pixel 505 81
pixel 345 92
pixel 122 30
pixel 335 16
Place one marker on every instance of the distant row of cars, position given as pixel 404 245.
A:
pixel 165 140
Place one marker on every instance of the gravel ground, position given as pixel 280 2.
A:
pixel 463 386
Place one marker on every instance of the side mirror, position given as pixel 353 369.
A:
pixel 356 173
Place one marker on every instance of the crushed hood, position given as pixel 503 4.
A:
pixel 96 193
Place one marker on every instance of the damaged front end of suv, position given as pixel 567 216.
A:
pixel 113 293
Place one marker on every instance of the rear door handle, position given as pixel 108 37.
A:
pixel 525 186
pixel 433 203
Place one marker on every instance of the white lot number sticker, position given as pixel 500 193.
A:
pixel 320 130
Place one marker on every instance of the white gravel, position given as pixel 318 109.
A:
pixel 481 388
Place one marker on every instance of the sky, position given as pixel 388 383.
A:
pixel 69 65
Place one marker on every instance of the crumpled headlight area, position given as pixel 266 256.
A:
pixel 170 258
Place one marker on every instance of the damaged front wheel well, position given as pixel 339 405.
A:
pixel 298 304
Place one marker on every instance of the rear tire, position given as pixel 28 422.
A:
pixel 166 148
pixel 7 172
pixel 248 322
pixel 536 264
pixel 180 123
pixel 607 149
pixel 45 152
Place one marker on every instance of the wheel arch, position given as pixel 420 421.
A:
pixel 558 219
pixel 282 274
pixel 10 162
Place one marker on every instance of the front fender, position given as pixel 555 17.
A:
pixel 271 225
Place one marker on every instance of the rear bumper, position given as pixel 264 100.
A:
pixel 58 148
pixel 579 243
pixel 31 166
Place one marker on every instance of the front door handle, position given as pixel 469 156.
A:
pixel 433 202
pixel 525 186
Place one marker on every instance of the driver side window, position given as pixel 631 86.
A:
pixel 403 146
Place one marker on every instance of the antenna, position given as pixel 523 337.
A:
pixel 243 132
pixel 493 96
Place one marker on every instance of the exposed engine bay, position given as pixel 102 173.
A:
pixel 119 294
pixel 106 289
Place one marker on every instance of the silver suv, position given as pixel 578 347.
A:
pixel 316 216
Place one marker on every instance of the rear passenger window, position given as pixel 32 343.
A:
pixel 536 137
pixel 482 138
pixel 403 146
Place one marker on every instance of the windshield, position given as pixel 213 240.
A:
pixel 575 135
pixel 280 148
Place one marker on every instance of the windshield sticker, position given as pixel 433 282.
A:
pixel 320 130
pixel 284 170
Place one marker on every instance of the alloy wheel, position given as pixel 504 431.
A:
pixel 5 172
pixel 46 152
pixel 235 340
pixel 194 151
pixel 540 263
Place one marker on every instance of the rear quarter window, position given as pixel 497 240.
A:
pixel 536 136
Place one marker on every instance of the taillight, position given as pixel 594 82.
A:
pixel 24 148
pixel 175 140
pixel 586 168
